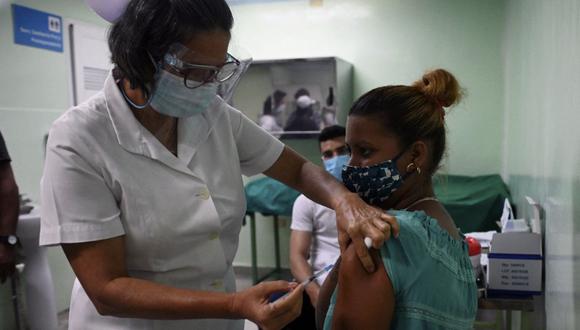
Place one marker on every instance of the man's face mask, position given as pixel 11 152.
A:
pixel 376 183
pixel 335 165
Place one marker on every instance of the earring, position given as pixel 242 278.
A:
pixel 411 167
pixel 418 170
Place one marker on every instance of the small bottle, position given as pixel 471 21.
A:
pixel 475 256
pixel 330 98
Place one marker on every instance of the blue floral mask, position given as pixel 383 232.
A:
pixel 376 183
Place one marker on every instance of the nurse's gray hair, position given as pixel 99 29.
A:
pixel 149 27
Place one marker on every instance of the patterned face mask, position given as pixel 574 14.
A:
pixel 376 183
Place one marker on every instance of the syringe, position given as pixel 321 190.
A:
pixel 368 242
pixel 317 274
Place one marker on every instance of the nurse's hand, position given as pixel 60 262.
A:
pixel 357 220
pixel 253 304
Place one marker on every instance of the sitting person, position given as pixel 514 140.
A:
pixel 424 278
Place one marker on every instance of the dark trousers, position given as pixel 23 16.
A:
pixel 307 318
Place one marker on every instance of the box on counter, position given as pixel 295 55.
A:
pixel 515 264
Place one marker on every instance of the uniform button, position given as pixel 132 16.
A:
pixel 203 194
pixel 217 284
pixel 214 235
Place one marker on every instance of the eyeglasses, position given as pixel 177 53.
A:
pixel 340 151
pixel 195 75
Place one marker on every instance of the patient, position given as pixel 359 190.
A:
pixel 424 278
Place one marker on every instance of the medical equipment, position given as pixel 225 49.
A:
pixel 317 274
pixel 327 268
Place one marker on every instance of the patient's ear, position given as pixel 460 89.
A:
pixel 420 154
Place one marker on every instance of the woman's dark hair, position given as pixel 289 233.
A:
pixel 414 112
pixel 149 27
pixel 278 96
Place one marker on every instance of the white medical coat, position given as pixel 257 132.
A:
pixel 105 175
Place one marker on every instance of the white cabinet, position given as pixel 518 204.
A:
pixel 271 93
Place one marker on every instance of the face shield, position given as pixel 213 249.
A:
pixel 180 61
pixel 227 88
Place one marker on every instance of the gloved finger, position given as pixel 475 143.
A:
pixel 392 221
pixel 288 303
pixel 271 287
pixel 343 240
pixel 384 227
pixel 374 233
pixel 363 254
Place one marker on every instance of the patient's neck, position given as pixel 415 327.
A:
pixel 407 195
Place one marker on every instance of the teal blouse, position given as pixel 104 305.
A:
pixel 431 274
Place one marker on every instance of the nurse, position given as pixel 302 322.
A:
pixel 142 185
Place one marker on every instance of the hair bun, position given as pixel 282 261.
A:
pixel 441 86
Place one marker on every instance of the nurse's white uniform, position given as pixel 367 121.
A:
pixel 106 175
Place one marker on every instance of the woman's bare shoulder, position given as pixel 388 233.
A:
pixel 364 300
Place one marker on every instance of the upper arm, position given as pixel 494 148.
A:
pixel 302 227
pixel 287 167
pixel 325 295
pixel 300 244
pixel 96 264
pixel 77 203
pixel 364 301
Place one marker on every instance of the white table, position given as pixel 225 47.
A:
pixel 40 298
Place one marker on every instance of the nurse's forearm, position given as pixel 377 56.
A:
pixel 311 180
pixel 136 298
pixel 100 268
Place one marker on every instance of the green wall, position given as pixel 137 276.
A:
pixel 394 42
pixel 542 145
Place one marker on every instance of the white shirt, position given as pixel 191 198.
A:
pixel 320 221
pixel 106 175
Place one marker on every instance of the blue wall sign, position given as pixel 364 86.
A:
pixel 36 28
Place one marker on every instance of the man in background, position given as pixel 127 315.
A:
pixel 314 237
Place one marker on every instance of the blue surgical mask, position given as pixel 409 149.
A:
pixel 376 183
pixel 334 165
pixel 172 98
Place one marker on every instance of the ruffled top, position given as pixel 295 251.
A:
pixel 431 275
